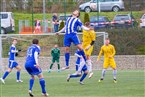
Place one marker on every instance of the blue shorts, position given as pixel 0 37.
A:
pixel 32 70
pixel 69 38
pixel 12 64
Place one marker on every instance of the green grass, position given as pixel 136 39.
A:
pixel 130 84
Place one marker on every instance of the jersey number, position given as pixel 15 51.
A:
pixel 29 53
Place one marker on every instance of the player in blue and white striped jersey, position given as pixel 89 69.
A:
pixel 70 30
pixel 12 63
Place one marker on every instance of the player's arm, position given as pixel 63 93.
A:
pixel 82 26
pixel 114 52
pixel 36 54
pixel 13 50
pixel 100 54
pixel 62 30
pixel 52 53
pixel 59 53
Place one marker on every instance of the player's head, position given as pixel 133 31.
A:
pixel 107 41
pixel 55 14
pixel 55 46
pixel 35 41
pixel 76 13
pixel 14 42
pixel 87 24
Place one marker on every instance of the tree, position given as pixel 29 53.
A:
pixel 61 25
pixel 86 18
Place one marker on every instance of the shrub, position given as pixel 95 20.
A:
pixel 61 25
pixel 86 18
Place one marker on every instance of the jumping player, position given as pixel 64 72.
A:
pixel 70 30
pixel 89 38
pixel 109 53
pixel 33 68
pixel 12 63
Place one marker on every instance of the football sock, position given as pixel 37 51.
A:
pixel 42 84
pixel 74 75
pixel 58 66
pixel 103 73
pixel 18 75
pixel 89 65
pixel 83 77
pixel 77 67
pixel 67 56
pixel 5 75
pixel 83 54
pixel 31 83
pixel 114 73
pixel 51 66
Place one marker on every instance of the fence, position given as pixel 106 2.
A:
pixel 124 62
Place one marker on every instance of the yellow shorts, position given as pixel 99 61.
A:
pixel 109 62
pixel 88 52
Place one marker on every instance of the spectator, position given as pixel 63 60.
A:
pixel 37 26
pixel 55 22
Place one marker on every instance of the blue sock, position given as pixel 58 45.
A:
pixel 67 56
pixel 83 54
pixel 31 82
pixel 83 77
pixel 18 75
pixel 74 76
pixel 42 84
pixel 5 75
pixel 77 67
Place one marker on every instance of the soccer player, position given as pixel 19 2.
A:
pixel 80 62
pixel 12 63
pixel 70 30
pixel 55 53
pixel 89 38
pixel 109 53
pixel 33 68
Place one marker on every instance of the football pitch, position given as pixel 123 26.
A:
pixel 131 83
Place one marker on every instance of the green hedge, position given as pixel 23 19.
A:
pixel 128 42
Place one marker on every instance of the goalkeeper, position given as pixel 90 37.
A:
pixel 88 42
pixel 55 53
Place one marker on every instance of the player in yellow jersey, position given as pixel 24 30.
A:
pixel 87 44
pixel 109 53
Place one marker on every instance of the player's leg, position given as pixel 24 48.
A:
pixel 31 83
pixel 77 67
pixel 81 65
pixel 105 66
pixel 79 46
pixel 42 84
pixel 58 65
pixel 5 75
pixel 18 72
pixel 84 75
pixel 113 65
pixel 67 56
pixel 89 62
pixel 10 67
pixel 77 42
pixel 75 75
pixel 67 43
pixel 50 68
